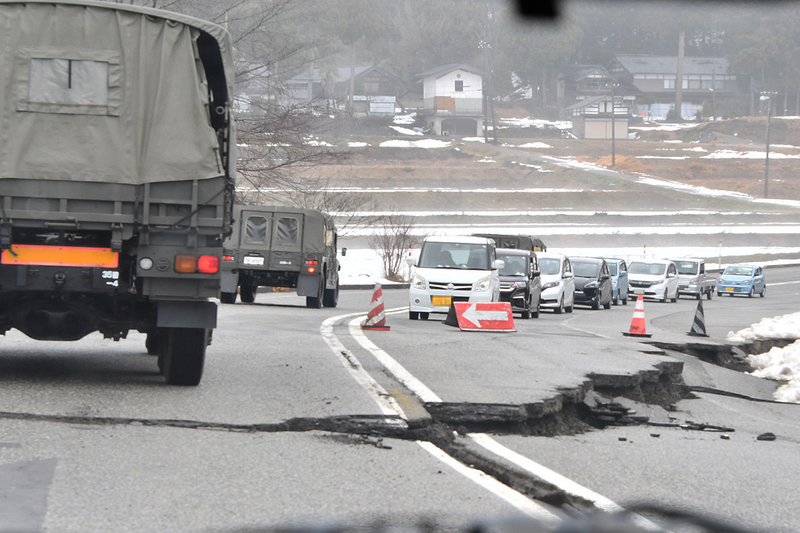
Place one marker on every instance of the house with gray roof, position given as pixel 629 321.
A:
pixel 375 90
pixel 704 79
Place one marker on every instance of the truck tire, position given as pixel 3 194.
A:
pixel 227 297
pixel 709 293
pixel 152 343
pixel 184 355
pixel 331 297
pixel 247 292
pixel 699 295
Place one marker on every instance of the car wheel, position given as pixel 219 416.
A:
pixel 535 313
pixel 674 298
pixel 560 308
pixel 719 294
pixel 616 299
pixel 596 305
pixel 699 295
pixel 571 307
pixel 763 291
pixel 526 314
pixel 413 315
pixel 752 292
pixel 664 298
pixel 624 301
pixel 607 305
pixel 424 316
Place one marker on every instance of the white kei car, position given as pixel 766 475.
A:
pixel 558 282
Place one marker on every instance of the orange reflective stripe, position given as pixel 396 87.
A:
pixel 68 256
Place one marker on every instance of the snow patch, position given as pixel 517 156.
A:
pixel 422 143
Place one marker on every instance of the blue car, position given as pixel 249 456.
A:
pixel 619 280
pixel 742 279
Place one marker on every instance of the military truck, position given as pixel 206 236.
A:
pixel 273 246
pixel 117 166
pixel 517 242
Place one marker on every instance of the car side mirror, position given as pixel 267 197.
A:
pixel 344 252
pixel 498 264
pixel 411 261
pixel 536 273
pixel 568 275
pixel 604 277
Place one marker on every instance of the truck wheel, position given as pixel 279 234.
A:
pixel 331 297
pixel 152 343
pixel 424 316
pixel 184 355
pixel 248 292
pixel 709 294
pixel 227 297
pixel 413 315
pixel 699 295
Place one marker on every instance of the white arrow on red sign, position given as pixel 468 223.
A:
pixel 489 316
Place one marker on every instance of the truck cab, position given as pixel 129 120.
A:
pixel 692 278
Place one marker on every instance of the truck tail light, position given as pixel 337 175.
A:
pixel 208 264
pixel 227 258
pixel 186 264
pixel 190 264
pixel 311 265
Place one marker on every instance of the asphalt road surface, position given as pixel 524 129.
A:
pixel 304 419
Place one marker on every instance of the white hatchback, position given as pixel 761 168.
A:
pixel 558 282
pixel 654 278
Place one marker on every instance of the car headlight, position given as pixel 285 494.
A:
pixel 723 280
pixel 746 282
pixel 590 285
pixel 418 282
pixel 551 284
pixel 483 284
pixel 521 284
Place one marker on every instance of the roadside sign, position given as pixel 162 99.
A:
pixel 489 316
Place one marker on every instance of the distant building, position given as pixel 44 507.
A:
pixel 705 79
pixel 375 90
pixel 452 100
pixel 596 117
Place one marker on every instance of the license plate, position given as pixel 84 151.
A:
pixel 728 289
pixel 440 301
pixel 253 260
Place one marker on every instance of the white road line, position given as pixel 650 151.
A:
pixel 783 283
pixel 396 369
pixel 528 506
pixel 385 401
pixel 560 481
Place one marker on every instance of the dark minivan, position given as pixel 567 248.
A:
pixel 520 282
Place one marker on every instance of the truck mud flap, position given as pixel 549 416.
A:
pixel 309 285
pixel 187 315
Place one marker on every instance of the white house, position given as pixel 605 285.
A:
pixel 453 100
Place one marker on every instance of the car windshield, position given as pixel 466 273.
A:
pixel 687 267
pixel 612 269
pixel 455 255
pixel 738 270
pixel 514 265
pixel 549 266
pixel 585 270
pixel 651 269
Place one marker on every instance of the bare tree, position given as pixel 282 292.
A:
pixel 392 241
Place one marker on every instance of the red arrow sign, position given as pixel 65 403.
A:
pixel 489 316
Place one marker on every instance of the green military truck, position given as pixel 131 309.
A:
pixel 516 242
pixel 273 246
pixel 117 166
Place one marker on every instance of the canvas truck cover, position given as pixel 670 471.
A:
pixel 104 92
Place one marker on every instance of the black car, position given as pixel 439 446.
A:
pixel 592 282
pixel 520 283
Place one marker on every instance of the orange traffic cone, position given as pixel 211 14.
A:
pixel 638 328
pixel 376 319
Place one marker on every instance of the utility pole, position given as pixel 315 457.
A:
pixel 766 160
